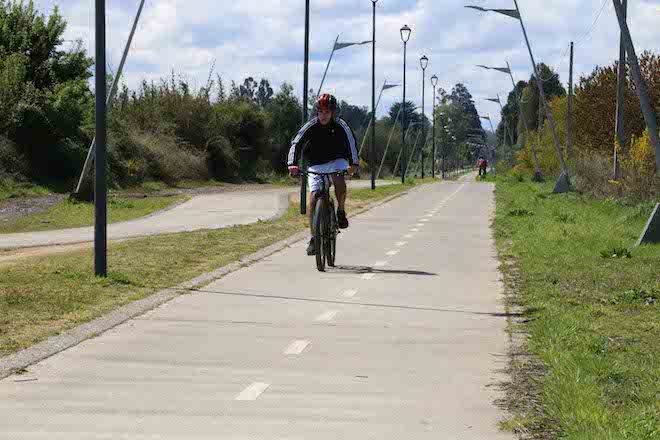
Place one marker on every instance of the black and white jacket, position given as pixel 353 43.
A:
pixel 322 144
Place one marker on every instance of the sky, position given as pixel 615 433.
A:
pixel 265 39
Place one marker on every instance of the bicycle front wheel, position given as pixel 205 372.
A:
pixel 331 245
pixel 320 233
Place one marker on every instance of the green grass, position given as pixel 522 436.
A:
pixel 11 189
pixel 592 306
pixel 43 296
pixel 71 214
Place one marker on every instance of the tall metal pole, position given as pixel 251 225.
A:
pixel 303 181
pixel 382 161
pixel 371 120
pixel 372 159
pixel 100 187
pixel 110 97
pixel 444 146
pixel 423 115
pixel 569 115
pixel 640 84
pixel 551 120
pixel 433 152
pixel 620 100
pixel 538 174
pixel 403 119
pixel 327 66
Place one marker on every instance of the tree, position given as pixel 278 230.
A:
pixel 285 115
pixel 248 89
pixel 45 100
pixel 264 93
pixel 511 114
pixel 595 104
pixel 461 96
pixel 356 117
pixel 552 87
pixel 410 112
pixel 222 94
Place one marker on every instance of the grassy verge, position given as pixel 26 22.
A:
pixel 44 296
pixel 70 214
pixel 592 314
pixel 11 189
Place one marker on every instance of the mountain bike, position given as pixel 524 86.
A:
pixel 325 227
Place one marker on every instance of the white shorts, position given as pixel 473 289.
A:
pixel 314 181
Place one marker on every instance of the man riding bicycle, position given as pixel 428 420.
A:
pixel 328 145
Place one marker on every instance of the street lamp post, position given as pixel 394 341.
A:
pixel 507 130
pixel 373 102
pixel 337 46
pixel 563 184
pixel 538 174
pixel 405 36
pixel 423 62
pixel 303 182
pixel 100 184
pixel 371 119
pixel 487 118
pixel 434 83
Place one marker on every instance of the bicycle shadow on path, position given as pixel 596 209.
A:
pixel 368 269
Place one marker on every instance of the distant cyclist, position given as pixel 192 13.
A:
pixel 483 166
pixel 327 144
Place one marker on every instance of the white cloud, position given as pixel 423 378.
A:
pixel 264 38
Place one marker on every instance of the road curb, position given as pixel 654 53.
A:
pixel 19 361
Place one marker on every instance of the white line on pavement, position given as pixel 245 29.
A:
pixel 297 347
pixel 420 225
pixel 392 253
pixel 253 391
pixel 368 276
pixel 408 236
pixel 380 263
pixel 352 292
pixel 401 243
pixel 327 316
pixel 414 230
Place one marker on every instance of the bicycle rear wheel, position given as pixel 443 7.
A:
pixel 320 234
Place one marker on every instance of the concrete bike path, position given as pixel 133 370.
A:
pixel 403 340
pixel 207 211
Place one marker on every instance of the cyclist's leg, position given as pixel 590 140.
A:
pixel 340 191
pixel 314 185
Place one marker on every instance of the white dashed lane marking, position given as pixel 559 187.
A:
pixel 352 292
pixel 368 276
pixel 297 347
pixel 253 391
pixel 380 264
pixel 392 253
pixel 401 243
pixel 327 316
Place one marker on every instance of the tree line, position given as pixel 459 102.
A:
pixel 594 125
pixel 168 130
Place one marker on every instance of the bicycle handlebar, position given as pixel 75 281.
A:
pixel 333 173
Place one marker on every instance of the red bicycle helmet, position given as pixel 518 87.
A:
pixel 327 102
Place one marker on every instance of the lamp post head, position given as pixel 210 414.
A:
pixel 434 81
pixel 424 62
pixel 405 33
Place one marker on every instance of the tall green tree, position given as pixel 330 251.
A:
pixel 409 110
pixel 285 112
pixel 552 87
pixel 45 98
